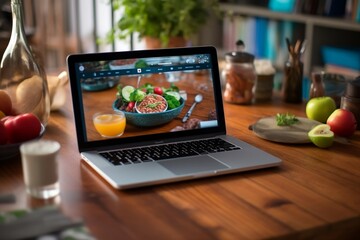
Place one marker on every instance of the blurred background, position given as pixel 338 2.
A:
pixel 331 29
pixel 56 28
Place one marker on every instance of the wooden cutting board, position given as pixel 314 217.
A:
pixel 267 128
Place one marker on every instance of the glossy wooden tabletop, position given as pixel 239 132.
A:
pixel 314 194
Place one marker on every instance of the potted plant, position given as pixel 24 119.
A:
pixel 167 23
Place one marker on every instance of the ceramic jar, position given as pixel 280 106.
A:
pixel 351 99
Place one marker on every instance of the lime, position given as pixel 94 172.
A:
pixel 126 91
pixel 176 95
pixel 321 136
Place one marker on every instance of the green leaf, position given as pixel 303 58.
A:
pixel 172 102
pixel 137 95
pixel 285 119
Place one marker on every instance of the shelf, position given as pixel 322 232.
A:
pixel 294 17
pixel 317 30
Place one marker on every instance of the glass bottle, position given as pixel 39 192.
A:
pixel 292 82
pixel 20 74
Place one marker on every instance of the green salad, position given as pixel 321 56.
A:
pixel 129 95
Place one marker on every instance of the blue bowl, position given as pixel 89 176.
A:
pixel 150 119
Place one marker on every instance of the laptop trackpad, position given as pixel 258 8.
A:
pixel 190 165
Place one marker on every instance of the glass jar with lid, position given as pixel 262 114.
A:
pixel 239 76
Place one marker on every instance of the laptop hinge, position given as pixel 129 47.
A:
pixel 154 142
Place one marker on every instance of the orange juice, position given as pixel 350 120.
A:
pixel 110 124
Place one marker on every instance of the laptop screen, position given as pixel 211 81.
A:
pixel 160 94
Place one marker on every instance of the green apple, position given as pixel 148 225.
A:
pixel 321 136
pixel 320 108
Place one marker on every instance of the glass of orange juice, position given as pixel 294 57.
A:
pixel 110 124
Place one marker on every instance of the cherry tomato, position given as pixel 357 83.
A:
pixel 158 90
pixel 130 106
pixel 22 127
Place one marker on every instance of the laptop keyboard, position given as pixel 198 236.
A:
pixel 167 151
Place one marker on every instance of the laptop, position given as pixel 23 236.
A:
pixel 185 140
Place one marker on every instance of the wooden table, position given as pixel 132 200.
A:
pixel 315 194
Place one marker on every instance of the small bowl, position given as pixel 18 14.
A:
pixel 151 119
pixel 99 84
pixel 139 106
pixel 121 64
pixel 8 151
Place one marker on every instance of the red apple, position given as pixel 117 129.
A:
pixel 22 127
pixel 342 122
pixel 3 120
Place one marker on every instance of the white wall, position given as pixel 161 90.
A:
pixel 103 25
